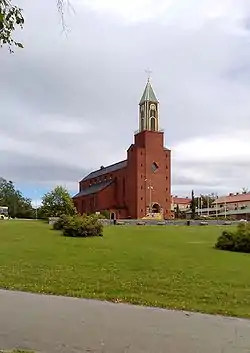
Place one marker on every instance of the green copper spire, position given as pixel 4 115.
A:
pixel 148 94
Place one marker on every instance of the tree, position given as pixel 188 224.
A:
pixel 18 205
pixel 207 200
pixel 177 212
pixel 193 205
pixel 11 17
pixel 57 202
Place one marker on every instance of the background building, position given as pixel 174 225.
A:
pixel 139 186
pixel 234 201
pixel 235 205
pixel 179 206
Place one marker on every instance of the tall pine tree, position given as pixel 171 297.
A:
pixel 193 205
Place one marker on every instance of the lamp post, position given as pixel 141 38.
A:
pixel 150 187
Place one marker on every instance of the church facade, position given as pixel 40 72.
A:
pixel 140 186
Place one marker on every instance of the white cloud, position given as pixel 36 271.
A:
pixel 192 13
pixel 218 148
pixel 213 163
pixel 36 203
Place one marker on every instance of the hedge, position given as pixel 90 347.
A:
pixel 238 240
pixel 79 226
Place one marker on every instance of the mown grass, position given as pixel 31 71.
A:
pixel 173 267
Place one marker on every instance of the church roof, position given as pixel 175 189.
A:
pixel 148 94
pixel 94 188
pixel 109 169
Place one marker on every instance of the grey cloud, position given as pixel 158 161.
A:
pixel 40 171
pixel 95 75
pixel 190 182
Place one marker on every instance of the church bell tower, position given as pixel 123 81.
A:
pixel 149 164
pixel 149 110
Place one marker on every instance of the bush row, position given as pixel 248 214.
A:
pixel 79 226
pixel 238 240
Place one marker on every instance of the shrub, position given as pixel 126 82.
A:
pixel 238 240
pixel 105 214
pixel 61 222
pixel 79 226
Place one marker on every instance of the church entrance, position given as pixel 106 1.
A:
pixel 112 215
pixel 156 208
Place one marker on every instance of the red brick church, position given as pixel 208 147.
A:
pixel 139 186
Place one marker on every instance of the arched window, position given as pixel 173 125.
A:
pixel 142 118
pixel 153 124
pixel 153 113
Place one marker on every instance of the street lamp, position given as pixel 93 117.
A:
pixel 150 188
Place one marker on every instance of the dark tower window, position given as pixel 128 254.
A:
pixel 153 124
pixel 142 119
pixel 154 167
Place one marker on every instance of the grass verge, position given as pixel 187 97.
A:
pixel 173 267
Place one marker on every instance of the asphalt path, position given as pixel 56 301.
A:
pixel 53 324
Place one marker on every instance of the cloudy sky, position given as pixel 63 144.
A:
pixel 69 101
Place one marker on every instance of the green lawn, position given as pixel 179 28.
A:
pixel 174 267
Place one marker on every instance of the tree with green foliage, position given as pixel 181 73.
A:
pixel 207 200
pixel 11 17
pixel 177 212
pixel 57 202
pixel 193 205
pixel 18 205
pixel 105 214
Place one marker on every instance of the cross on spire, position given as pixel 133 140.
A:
pixel 148 72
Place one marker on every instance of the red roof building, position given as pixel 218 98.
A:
pixel 234 201
pixel 180 204
pixel 140 185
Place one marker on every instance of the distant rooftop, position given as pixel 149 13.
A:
pixel 234 198
pixel 181 200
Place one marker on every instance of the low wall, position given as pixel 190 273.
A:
pixel 152 222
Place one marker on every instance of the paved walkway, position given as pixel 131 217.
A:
pixel 69 325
